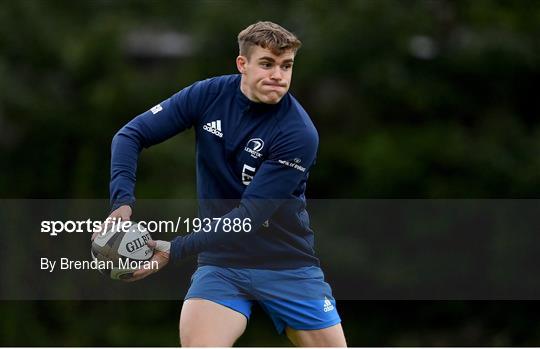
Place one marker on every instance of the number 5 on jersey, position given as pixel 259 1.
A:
pixel 247 174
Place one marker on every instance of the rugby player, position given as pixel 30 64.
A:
pixel 255 148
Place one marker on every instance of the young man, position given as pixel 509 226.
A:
pixel 255 147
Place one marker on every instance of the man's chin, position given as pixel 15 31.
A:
pixel 272 99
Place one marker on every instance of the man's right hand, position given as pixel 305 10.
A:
pixel 123 212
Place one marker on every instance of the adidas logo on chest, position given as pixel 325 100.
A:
pixel 214 127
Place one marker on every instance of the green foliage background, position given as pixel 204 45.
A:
pixel 424 99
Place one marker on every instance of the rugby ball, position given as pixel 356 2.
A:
pixel 121 250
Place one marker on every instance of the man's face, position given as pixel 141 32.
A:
pixel 265 77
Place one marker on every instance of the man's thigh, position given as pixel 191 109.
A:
pixel 206 323
pixel 327 337
pixel 297 298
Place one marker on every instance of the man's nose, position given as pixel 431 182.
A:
pixel 276 73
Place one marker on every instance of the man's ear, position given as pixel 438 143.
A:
pixel 241 64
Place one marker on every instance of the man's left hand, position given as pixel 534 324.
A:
pixel 161 255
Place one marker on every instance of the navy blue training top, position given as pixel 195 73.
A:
pixel 255 157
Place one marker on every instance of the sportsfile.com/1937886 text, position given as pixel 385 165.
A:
pixel 181 224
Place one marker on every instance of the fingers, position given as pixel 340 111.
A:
pixel 123 213
pixel 125 217
pixel 103 227
pixel 140 274
pixel 159 245
pixel 162 258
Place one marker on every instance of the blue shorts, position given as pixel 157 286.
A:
pixel 297 298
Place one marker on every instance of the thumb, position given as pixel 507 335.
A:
pixel 151 243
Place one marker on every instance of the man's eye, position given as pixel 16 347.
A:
pixel 287 66
pixel 266 65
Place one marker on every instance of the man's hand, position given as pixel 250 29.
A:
pixel 161 255
pixel 123 212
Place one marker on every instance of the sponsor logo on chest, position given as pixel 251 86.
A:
pixel 254 147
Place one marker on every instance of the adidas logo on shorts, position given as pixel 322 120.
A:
pixel 214 127
pixel 327 305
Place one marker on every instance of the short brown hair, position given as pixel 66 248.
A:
pixel 267 35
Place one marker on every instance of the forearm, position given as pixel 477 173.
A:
pixel 255 212
pixel 125 149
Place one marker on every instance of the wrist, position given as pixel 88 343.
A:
pixel 163 246
pixel 176 246
pixel 122 202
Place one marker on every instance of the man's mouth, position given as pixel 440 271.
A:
pixel 274 85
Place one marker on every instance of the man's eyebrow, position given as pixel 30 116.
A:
pixel 270 59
